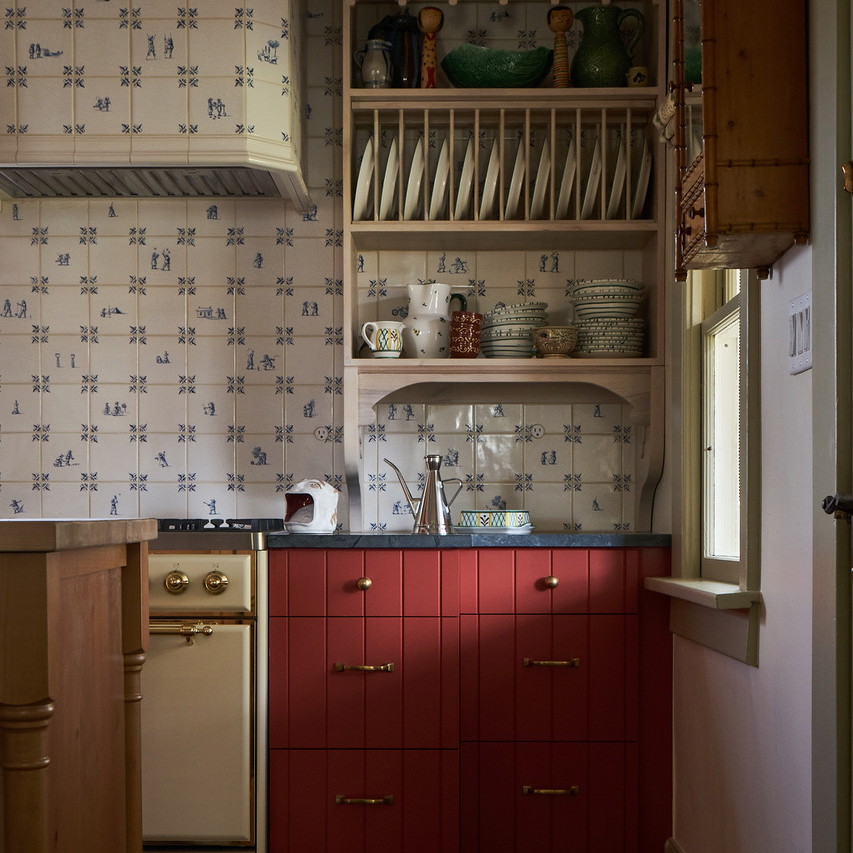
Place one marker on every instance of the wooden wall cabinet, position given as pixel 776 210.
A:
pixel 742 193
pixel 520 714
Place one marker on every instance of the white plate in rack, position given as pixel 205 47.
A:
pixel 516 183
pixel 466 181
pixel 592 182
pixel 561 209
pixel 543 176
pixel 413 185
pixel 363 184
pixel 389 182
pixel 490 184
pixel 439 184
pixel 618 182
pixel 642 181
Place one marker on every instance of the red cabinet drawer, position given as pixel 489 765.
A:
pixel 550 798
pixel 313 582
pixel 408 699
pixel 414 794
pixel 534 677
pixel 538 580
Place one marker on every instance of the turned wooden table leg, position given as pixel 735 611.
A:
pixel 23 747
pixel 133 748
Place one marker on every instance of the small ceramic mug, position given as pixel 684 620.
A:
pixel 465 334
pixel 384 337
pixel 638 75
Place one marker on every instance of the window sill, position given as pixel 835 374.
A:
pixel 714 594
pixel 721 616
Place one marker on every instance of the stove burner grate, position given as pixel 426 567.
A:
pixel 212 525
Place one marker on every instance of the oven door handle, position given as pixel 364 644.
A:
pixel 181 629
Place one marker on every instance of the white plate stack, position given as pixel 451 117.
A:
pixel 606 316
pixel 507 329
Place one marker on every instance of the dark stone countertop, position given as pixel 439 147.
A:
pixel 469 540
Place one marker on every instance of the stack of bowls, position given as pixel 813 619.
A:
pixel 606 312
pixel 506 331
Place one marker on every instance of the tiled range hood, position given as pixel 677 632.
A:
pixel 152 100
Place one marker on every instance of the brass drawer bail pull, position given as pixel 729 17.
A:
pixel 572 662
pixel 342 800
pixel 352 667
pixel 529 790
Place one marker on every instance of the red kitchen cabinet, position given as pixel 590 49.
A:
pixel 471 700
pixel 363 801
pixel 364 701
pixel 364 583
pixel 380 682
pixel 549 797
pixel 565 702
pixel 540 677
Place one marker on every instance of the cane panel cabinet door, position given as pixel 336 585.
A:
pixel 364 700
pixel 565 701
pixel 741 135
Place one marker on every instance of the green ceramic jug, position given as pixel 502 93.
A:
pixel 602 59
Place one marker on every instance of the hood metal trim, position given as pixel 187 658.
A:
pixel 137 182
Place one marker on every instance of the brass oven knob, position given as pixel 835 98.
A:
pixel 551 582
pixel 215 582
pixel 176 582
pixel 364 583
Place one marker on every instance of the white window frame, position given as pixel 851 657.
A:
pixel 714 604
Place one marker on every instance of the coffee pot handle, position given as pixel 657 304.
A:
pixel 463 300
pixel 456 493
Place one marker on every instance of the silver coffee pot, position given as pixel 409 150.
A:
pixel 432 510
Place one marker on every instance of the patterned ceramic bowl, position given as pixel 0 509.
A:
pixel 494 518
pixel 555 341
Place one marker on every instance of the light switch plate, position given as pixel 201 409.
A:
pixel 800 333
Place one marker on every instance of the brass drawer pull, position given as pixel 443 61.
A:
pixel 352 667
pixel 364 584
pixel 551 582
pixel 529 790
pixel 572 662
pixel 387 800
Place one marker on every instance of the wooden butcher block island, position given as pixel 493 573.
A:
pixel 73 635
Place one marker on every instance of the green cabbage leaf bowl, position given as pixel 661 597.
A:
pixel 470 66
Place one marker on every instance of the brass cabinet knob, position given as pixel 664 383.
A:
pixel 551 582
pixel 176 582
pixel 364 583
pixel 215 582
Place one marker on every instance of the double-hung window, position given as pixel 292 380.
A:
pixel 715 558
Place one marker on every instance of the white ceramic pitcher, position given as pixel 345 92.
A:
pixel 427 332
pixel 432 300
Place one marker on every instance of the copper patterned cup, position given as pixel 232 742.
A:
pixel 465 334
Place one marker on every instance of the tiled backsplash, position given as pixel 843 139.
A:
pixel 570 465
pixel 184 357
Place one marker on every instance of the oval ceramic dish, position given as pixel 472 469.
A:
pixel 494 518
pixel 461 528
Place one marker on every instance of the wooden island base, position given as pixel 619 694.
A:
pixel 73 635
